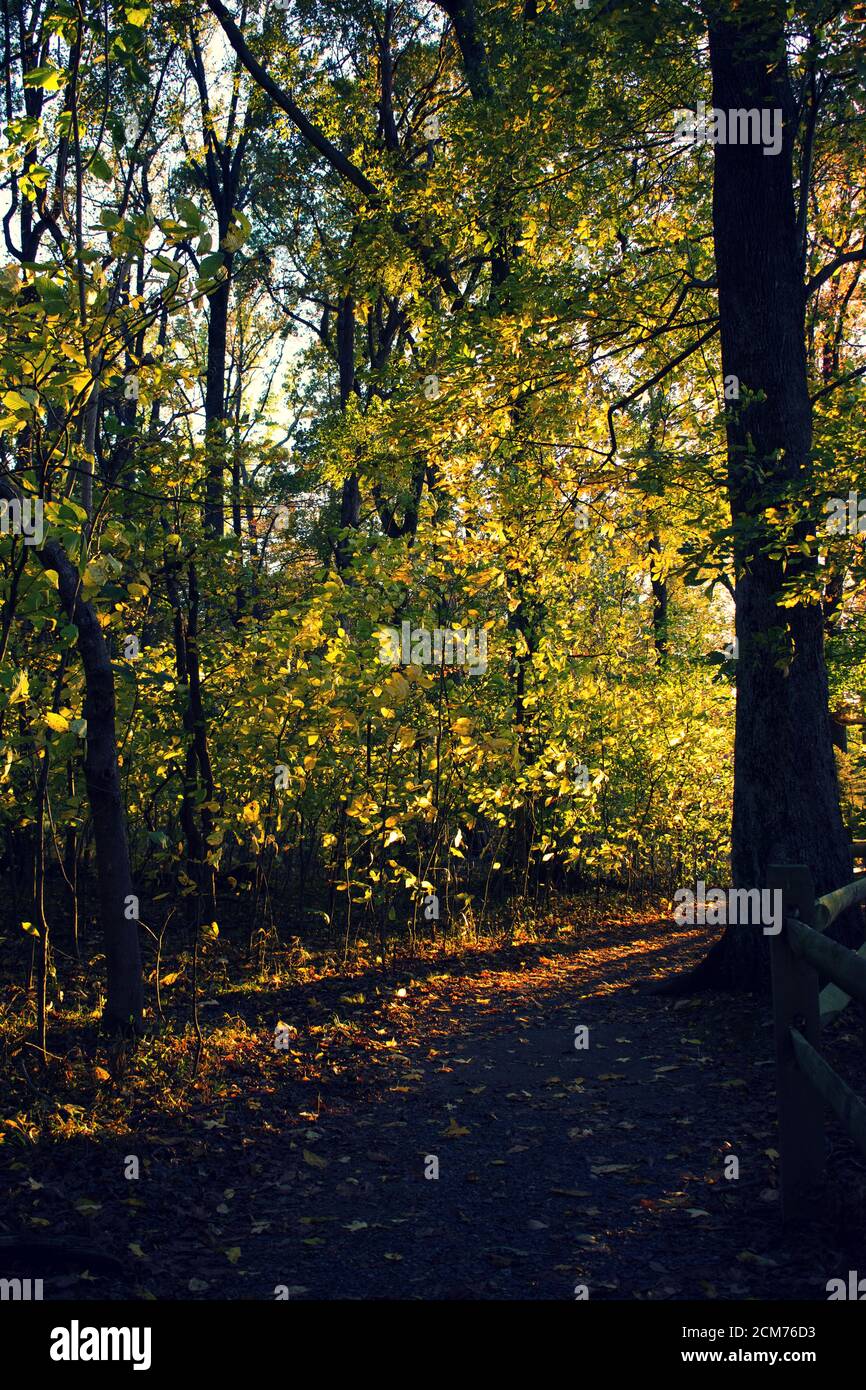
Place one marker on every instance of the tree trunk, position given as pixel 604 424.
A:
pixel 117 903
pixel 214 404
pixel 659 585
pixel 350 500
pixel 786 795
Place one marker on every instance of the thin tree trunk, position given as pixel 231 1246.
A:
pixel 350 502
pixel 214 406
pixel 118 907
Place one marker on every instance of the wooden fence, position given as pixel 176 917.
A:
pixel 805 1083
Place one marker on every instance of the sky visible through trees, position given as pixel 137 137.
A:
pixel 432 505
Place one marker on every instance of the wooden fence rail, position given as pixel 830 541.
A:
pixel 805 1083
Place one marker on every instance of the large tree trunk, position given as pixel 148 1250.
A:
pixel 786 797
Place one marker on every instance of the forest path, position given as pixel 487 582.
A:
pixel 303 1170
pixel 558 1166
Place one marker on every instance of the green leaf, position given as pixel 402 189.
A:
pixel 50 78
pixel 100 169
pixel 210 265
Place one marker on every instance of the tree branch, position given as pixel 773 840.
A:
pixel 844 258
pixel 433 259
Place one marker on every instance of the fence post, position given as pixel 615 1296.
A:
pixel 796 1004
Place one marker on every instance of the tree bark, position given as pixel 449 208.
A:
pixel 786 794
pixel 214 405
pixel 659 586
pixel 350 500
pixel 125 994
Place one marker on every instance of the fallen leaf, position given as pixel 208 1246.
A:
pixel 87 1206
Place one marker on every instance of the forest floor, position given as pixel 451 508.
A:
pixel 300 1172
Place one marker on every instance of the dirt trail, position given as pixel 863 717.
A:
pixel 558 1167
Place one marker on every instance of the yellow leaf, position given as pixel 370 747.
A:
pixel 314 1160
pixel 454 1131
pixel 397 687
pixel 21 688
pixel 233 1254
